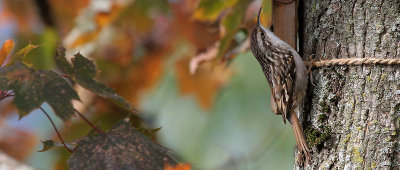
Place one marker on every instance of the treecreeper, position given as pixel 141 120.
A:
pixel 287 77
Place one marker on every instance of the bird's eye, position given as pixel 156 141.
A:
pixel 262 34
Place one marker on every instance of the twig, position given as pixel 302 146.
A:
pixel 88 122
pixel 55 128
pixel 5 94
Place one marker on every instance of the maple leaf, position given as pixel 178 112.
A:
pixel 32 88
pixel 21 54
pixel 83 71
pixel 120 148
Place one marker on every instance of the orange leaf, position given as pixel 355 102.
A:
pixel 5 50
pixel 201 34
pixel 178 167
pixel 85 38
pixel 205 83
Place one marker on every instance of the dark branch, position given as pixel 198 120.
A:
pixel 55 128
pixel 88 122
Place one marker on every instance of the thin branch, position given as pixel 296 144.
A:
pixel 55 128
pixel 65 76
pixel 88 122
pixel 5 94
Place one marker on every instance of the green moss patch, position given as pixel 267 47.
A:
pixel 317 137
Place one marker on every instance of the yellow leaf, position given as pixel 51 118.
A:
pixel 5 50
pixel 21 54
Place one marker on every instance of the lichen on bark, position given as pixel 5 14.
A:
pixel 361 103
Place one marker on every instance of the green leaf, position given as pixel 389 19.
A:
pixel 21 54
pixel 85 71
pixel 47 145
pixel 32 88
pixel 148 132
pixel 62 61
pixel 121 148
pixel 50 144
pixel 83 66
pixel 232 23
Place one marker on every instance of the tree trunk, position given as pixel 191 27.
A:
pixel 353 115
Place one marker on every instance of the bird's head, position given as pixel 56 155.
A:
pixel 260 35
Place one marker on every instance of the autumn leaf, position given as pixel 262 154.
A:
pixel 5 50
pixel 21 54
pixel 201 34
pixel 32 88
pixel 178 167
pixel 205 83
pixel 120 148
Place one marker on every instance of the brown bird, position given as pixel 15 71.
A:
pixel 286 75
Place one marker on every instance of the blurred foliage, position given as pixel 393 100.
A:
pixel 83 72
pixel 214 117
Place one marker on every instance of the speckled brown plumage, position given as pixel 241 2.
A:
pixel 286 74
pixel 279 69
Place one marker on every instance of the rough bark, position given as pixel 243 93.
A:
pixel 353 117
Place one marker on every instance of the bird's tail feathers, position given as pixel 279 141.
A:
pixel 300 138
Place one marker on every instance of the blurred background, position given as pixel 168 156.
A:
pixel 185 64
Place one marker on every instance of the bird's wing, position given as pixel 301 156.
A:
pixel 282 82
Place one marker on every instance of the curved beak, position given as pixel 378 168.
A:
pixel 258 18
